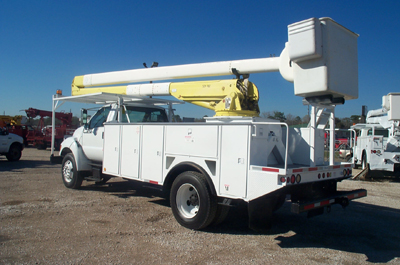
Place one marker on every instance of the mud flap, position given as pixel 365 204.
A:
pixel 260 213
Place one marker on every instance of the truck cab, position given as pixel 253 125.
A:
pixel 82 154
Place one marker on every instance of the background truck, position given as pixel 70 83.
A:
pixel 11 145
pixel 16 125
pixel 204 168
pixel 41 136
pixel 377 142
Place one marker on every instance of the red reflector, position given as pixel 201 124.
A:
pixel 270 169
pixel 337 166
pixel 310 206
pixel 297 170
pixel 292 179
pixel 283 179
pixel 153 182
pixel 312 169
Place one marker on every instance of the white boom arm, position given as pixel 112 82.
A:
pixel 182 71
pixel 310 59
pixel 389 114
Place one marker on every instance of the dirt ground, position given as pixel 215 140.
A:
pixel 42 222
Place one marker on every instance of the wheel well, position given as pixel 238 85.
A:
pixel 182 167
pixel 19 145
pixel 65 151
pixel 364 154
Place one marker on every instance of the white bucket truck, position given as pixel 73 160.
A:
pixel 206 167
pixel 377 143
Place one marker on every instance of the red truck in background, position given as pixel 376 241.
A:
pixel 41 136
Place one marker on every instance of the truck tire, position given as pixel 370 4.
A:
pixel 70 176
pixel 14 154
pixel 221 214
pixel 192 203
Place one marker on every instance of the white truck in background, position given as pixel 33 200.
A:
pixel 11 145
pixel 377 142
pixel 204 168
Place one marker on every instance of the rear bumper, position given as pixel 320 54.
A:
pixel 340 197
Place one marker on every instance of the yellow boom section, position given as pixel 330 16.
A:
pixel 225 97
pixel 233 97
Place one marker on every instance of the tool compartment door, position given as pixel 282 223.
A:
pixel 111 153
pixel 130 151
pixel 152 153
pixel 234 160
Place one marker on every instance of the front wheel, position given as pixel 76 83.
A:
pixel 192 203
pixel 71 177
pixel 14 154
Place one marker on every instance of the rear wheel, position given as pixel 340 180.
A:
pixel 71 177
pixel 192 203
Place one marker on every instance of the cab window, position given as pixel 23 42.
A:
pixel 384 133
pixel 99 118
pixel 140 114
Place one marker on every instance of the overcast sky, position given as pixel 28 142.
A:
pixel 44 44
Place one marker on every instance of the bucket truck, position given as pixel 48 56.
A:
pixel 205 168
pixel 41 136
pixel 377 143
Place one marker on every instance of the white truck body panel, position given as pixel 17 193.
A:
pixel 243 160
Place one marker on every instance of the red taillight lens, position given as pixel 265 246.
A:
pixel 283 179
pixel 292 179
pixel 319 175
pixel 323 175
pixel 348 172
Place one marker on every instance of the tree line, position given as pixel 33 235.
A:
pixel 340 123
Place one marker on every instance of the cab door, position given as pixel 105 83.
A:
pixel 93 134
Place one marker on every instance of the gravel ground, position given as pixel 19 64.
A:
pixel 42 222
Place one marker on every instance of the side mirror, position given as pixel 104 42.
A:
pixel 84 117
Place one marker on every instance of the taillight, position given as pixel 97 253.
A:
pixel 292 179
pixel 283 179
pixel 298 178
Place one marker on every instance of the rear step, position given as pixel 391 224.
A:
pixel 341 197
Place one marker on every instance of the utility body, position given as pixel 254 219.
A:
pixel 205 167
pixel 377 142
